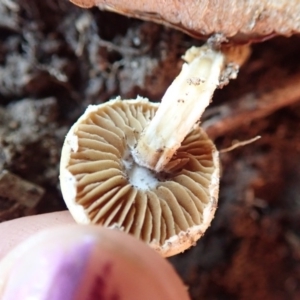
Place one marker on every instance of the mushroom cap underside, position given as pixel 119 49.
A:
pixel 102 184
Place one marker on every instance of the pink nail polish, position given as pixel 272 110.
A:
pixel 53 274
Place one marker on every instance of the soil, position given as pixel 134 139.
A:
pixel 55 59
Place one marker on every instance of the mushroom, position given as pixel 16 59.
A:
pixel 102 184
pixel 237 20
pixel 146 168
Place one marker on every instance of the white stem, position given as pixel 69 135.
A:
pixel 181 107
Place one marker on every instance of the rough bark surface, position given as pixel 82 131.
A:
pixel 235 19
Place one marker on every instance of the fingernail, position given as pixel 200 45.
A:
pixel 52 273
pixel 90 263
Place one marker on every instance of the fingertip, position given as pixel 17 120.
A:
pixel 15 231
pixel 86 262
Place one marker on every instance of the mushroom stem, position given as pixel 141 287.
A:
pixel 181 107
